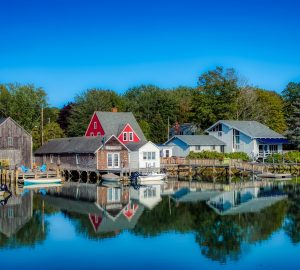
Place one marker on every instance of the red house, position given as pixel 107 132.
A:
pixel 121 124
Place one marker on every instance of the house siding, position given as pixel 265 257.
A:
pixel 87 162
pixel 20 152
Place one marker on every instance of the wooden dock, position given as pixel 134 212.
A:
pixel 15 176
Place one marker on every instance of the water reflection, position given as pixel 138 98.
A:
pixel 225 224
pixel 246 200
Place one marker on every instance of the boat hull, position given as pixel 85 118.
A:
pixel 41 181
pixel 151 178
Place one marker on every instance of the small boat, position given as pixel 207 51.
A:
pixel 42 185
pixel 151 178
pixel 285 176
pixel 41 181
pixel 111 177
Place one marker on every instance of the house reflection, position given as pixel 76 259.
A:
pixel 246 200
pixel 149 195
pixel 16 213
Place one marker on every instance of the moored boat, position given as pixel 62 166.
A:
pixel 41 181
pixel 151 178
pixel 111 177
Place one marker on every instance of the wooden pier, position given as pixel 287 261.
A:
pixel 15 176
pixel 201 167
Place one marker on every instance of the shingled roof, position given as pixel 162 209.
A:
pixel 76 145
pixel 114 122
pixel 253 129
pixel 198 140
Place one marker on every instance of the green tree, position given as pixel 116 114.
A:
pixel 291 96
pixel 216 96
pixel 150 103
pixel 24 103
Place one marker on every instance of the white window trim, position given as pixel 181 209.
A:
pixel 51 158
pixel 125 134
pixel 131 136
pixel 92 134
pixel 113 155
pixel 10 141
pixel 95 125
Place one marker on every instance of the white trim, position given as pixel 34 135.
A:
pixel 125 134
pixel 131 133
pixel 113 157
pixel 95 125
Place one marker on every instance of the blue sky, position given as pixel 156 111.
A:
pixel 69 46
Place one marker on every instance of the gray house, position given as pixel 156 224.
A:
pixel 251 137
pixel 181 145
pixel 15 144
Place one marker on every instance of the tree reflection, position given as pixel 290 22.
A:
pixel 220 237
pixel 292 224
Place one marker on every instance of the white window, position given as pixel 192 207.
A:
pixel 131 136
pixel 198 147
pixel 113 194
pixel 92 133
pixel 113 160
pixel 213 147
pixel 150 192
pixel 51 158
pixel 124 136
pixel 149 155
pixel 98 134
pixel 236 139
pixel 77 159
pixel 10 141
pixel 167 153
pixel 95 125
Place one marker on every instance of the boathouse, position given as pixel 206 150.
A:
pixel 15 144
pixel 251 137
pixel 182 145
pixel 84 154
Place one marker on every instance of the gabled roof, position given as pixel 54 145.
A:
pixel 76 145
pixel 253 129
pixel 198 140
pixel 114 122
pixel 135 146
pixel 2 120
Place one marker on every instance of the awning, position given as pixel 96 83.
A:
pixel 273 141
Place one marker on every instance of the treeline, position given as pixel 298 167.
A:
pixel 220 94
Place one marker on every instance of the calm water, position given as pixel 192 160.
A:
pixel 84 226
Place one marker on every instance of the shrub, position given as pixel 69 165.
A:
pixel 289 157
pixel 238 155
pixel 206 155
pixel 216 155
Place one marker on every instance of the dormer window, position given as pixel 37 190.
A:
pixel 131 136
pixel 125 136
pixel 95 125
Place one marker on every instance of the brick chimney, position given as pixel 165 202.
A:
pixel 114 109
